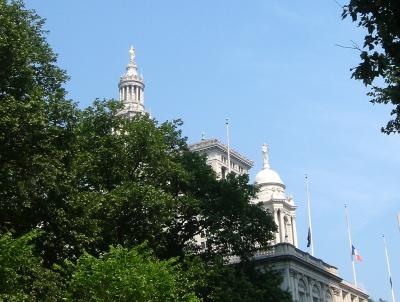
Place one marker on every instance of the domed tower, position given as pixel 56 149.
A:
pixel 131 89
pixel 273 197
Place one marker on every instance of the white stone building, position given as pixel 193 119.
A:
pixel 217 158
pixel 308 279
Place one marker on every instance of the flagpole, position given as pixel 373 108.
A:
pixel 309 216
pixel 350 245
pixel 388 267
pixel 398 219
pixel 229 149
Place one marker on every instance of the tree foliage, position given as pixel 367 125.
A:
pixel 380 55
pixel 88 179
pixel 35 124
pixel 127 275
pixel 22 276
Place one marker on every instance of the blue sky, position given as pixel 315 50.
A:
pixel 273 68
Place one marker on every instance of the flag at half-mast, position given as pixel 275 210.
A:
pixel 355 253
pixel 309 238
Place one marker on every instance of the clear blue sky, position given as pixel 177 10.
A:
pixel 273 69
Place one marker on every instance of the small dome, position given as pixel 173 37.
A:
pixel 268 176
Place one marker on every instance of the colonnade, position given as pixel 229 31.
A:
pixel 307 289
pixel 133 93
pixel 287 231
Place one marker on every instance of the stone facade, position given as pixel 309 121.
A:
pixel 307 278
pixel 217 157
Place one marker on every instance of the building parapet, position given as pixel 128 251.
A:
pixel 352 288
pixel 289 251
pixel 286 249
pixel 211 143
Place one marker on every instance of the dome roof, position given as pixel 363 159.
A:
pixel 268 176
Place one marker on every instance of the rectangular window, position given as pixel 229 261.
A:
pixel 223 172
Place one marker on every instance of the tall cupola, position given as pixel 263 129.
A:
pixel 272 196
pixel 131 89
pixel 269 180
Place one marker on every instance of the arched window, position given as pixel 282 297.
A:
pixel 302 291
pixel 316 296
pixel 328 296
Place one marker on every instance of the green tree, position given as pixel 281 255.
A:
pixel 88 179
pixel 153 188
pixel 380 55
pixel 35 119
pixel 36 138
pixel 127 275
pixel 22 276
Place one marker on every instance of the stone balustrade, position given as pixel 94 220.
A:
pixel 286 249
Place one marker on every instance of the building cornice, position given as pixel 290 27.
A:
pixel 288 252
pixel 214 143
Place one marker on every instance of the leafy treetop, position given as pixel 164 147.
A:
pixel 380 55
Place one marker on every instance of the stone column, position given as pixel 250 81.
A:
pixel 277 223
pixel 136 93
pixel 292 287
pixel 289 233
pixel 294 231
pixel 281 227
pixel 309 289
pixel 287 279
pixel 337 296
pixel 296 287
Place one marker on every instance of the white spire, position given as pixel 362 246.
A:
pixel 131 88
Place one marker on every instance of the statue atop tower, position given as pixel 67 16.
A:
pixel 132 54
pixel 273 197
pixel 265 151
pixel 131 89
